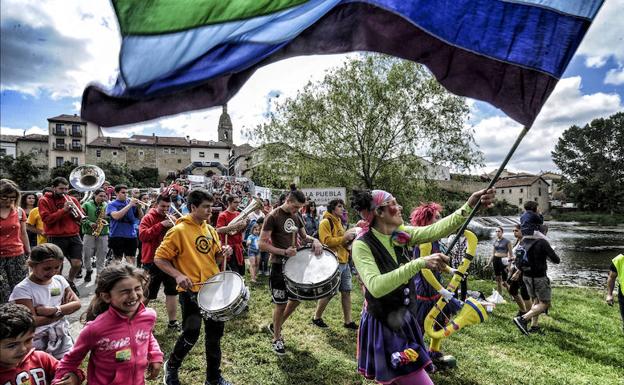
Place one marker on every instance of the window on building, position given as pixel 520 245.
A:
pixel 216 155
pixel 98 153
pixel 165 150
pixel 74 160
pixel 114 153
pixel 502 191
pixel 521 190
pixel 535 199
pixel 3 151
pixel 510 191
pixel 59 161
pixel 76 143
pixel 184 150
pixel 179 160
pixel 539 191
pixel 520 201
pixel 201 154
pixel 172 150
pixel 60 141
pixel 75 129
pixel 59 126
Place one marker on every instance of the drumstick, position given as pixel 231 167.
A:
pixel 294 239
pixel 224 256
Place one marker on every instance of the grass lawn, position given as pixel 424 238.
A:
pixel 582 343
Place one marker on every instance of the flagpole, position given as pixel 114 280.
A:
pixel 524 131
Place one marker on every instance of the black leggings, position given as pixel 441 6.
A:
pixel 191 326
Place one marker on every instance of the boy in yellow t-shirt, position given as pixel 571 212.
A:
pixel 34 224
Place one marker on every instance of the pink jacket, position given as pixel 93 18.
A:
pixel 121 348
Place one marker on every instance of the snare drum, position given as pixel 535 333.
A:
pixel 310 277
pixel 223 296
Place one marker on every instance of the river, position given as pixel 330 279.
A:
pixel 586 251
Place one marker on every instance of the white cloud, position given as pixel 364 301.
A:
pixel 21 131
pixel 249 107
pixel 566 106
pixel 615 76
pixel 604 38
pixel 58 46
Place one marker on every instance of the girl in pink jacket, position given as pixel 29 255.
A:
pixel 118 333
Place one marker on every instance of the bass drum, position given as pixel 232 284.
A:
pixel 310 277
pixel 223 296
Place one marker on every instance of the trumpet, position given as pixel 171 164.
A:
pixel 145 205
pixel 74 210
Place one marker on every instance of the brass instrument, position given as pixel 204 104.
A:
pixel 74 210
pixel 255 204
pixel 471 313
pixel 100 223
pixel 87 178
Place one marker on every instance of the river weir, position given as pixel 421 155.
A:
pixel 585 249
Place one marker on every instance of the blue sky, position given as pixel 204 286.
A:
pixel 46 63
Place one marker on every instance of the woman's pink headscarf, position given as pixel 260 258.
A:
pixel 379 198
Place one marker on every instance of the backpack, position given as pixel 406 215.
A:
pixel 522 255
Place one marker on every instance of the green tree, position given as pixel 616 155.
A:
pixel 591 159
pixel 21 170
pixel 366 124
pixel 117 173
pixel 63 170
pixel 145 177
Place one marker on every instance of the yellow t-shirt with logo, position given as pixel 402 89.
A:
pixel 34 219
pixel 191 249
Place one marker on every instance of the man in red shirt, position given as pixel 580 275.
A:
pixel 236 262
pixel 152 230
pixel 61 227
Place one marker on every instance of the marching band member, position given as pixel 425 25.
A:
pixel 95 242
pixel 123 233
pixel 191 253
pixel 333 235
pixel 61 227
pixel 235 241
pixel 154 225
pixel 277 238
pixel 388 324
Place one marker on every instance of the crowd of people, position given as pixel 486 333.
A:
pixel 132 243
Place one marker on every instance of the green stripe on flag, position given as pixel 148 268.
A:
pixel 152 17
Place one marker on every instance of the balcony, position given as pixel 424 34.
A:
pixel 76 147
pixel 59 132
pixel 76 133
pixel 59 146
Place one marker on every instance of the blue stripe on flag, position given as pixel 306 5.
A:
pixel 144 59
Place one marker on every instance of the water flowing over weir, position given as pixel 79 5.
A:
pixel 585 250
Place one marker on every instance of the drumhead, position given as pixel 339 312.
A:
pixel 307 268
pixel 220 291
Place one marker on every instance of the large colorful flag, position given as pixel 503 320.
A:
pixel 184 55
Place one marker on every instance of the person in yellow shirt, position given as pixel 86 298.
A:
pixel 191 253
pixel 34 224
pixel 333 235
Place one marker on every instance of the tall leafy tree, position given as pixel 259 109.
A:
pixel 591 159
pixel 366 124
pixel 21 170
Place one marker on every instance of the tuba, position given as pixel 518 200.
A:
pixel 85 178
pixel 471 313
